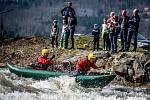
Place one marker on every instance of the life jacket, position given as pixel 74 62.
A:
pixel 41 63
pixel 85 65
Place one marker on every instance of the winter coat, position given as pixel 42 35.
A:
pixel 65 11
pixel 134 22
pixel 72 22
pixel 96 33
pixel 123 21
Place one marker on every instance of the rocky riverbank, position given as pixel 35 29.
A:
pixel 130 66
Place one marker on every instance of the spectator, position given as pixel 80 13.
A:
pixel 64 35
pixel 54 33
pixel 43 62
pixel 72 22
pixel 113 35
pixel 96 34
pixel 133 28
pixel 124 30
pixel 105 35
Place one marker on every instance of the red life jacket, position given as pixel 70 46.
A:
pixel 85 65
pixel 43 62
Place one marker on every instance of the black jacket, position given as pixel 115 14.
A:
pixel 72 22
pixel 134 22
pixel 65 11
pixel 124 23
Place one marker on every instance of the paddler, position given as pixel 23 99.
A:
pixel 43 62
pixel 85 64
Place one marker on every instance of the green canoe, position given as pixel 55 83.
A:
pixel 37 74
pixel 83 80
pixel 94 81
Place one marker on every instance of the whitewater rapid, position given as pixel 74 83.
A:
pixel 13 87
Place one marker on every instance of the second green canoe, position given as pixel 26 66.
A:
pixel 94 81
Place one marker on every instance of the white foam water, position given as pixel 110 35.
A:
pixel 65 88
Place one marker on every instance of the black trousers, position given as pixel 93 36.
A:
pixel 96 43
pixel 130 34
pixel 54 41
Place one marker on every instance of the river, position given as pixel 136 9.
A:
pixel 13 87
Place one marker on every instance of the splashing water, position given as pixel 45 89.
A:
pixel 62 88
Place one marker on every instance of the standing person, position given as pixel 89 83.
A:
pixel 133 28
pixel 117 31
pixel 109 22
pixel 64 35
pixel 105 35
pixel 54 33
pixel 96 36
pixel 72 22
pixel 65 11
pixel 114 31
pixel 124 30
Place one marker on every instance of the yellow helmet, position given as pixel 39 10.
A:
pixel 91 55
pixel 44 51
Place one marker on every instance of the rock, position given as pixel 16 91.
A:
pixel 120 68
pixel 130 72
pixel 86 46
pixel 143 58
pixel 103 55
pixel 101 62
pixel 2 65
pixel 147 67
pixel 122 55
pixel 68 63
pixel 139 69
pixel 110 62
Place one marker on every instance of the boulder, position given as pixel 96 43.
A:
pixel 2 65
pixel 139 70
pixel 147 67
